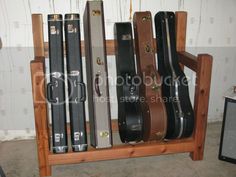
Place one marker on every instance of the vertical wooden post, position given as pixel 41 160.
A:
pixel 181 25
pixel 38 88
pixel 40 114
pixel 38 38
pixel 201 101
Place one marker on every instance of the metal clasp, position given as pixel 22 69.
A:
pixel 148 49
pixel 104 134
pixel 54 30
pixel 71 28
pixel 96 12
pixel 146 18
pixel 99 61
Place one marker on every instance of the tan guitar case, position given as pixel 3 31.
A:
pixel 97 75
pixel 155 120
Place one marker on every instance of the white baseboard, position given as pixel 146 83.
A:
pixel 215 119
pixel 8 135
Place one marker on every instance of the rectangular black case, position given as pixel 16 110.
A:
pixel 56 87
pixel 76 86
pixel 227 150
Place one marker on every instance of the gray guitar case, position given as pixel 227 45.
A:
pixel 97 76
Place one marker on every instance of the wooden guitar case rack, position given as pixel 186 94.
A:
pixel 201 64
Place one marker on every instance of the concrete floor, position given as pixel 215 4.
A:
pixel 19 159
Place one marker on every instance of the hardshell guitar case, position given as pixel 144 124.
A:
pixel 175 84
pixel 97 76
pixel 76 86
pixel 155 118
pixel 130 118
pixel 56 87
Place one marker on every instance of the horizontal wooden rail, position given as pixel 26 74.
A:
pixel 110 47
pixel 185 58
pixel 188 60
pixel 123 151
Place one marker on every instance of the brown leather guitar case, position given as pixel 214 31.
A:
pixel 155 120
pixel 97 75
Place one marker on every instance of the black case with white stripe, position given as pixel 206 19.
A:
pixel 76 86
pixel 56 87
pixel 175 85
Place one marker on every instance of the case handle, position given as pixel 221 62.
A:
pixel 81 91
pixel 49 92
pixel 97 89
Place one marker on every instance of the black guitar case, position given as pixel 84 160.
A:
pixel 56 87
pixel 175 84
pixel 129 109
pixel 76 86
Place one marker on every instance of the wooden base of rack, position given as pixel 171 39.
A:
pixel 202 65
pixel 123 151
